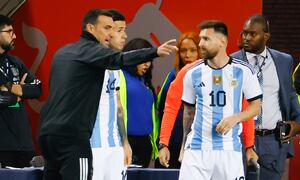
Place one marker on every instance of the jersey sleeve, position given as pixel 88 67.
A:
pixel 251 87
pixel 189 95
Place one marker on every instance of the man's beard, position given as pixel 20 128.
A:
pixel 208 55
pixel 7 46
pixel 254 47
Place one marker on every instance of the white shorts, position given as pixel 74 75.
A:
pixel 211 165
pixel 108 163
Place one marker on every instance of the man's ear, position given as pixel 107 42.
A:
pixel 90 28
pixel 224 41
pixel 267 36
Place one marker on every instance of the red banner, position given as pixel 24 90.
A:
pixel 44 26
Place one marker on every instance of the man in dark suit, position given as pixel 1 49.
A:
pixel 279 101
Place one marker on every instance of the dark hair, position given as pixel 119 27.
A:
pixel 217 25
pixel 257 18
pixel 5 21
pixel 92 16
pixel 139 43
pixel 116 15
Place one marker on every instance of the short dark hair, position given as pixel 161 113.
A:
pixel 116 15
pixel 5 20
pixel 217 25
pixel 91 17
pixel 257 18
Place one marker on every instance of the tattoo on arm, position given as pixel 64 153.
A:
pixel 188 118
pixel 120 119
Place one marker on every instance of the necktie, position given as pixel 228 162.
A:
pixel 258 67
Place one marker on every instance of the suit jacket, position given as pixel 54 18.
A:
pixel 288 101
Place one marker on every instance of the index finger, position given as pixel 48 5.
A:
pixel 23 78
pixel 171 42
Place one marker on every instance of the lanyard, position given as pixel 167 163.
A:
pixel 261 66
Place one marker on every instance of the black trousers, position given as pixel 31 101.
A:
pixel 66 158
pixel 141 150
pixel 18 159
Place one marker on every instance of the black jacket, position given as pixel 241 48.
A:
pixel 15 131
pixel 76 80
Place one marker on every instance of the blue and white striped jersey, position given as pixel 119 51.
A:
pixel 218 93
pixel 106 132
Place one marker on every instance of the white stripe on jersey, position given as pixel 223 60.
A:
pixel 106 132
pixel 83 168
pixel 217 93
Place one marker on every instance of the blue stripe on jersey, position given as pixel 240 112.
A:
pixel 95 139
pixel 112 113
pixel 238 76
pixel 196 141
pixel 217 97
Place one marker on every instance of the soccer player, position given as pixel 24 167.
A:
pixel 213 90
pixel 109 140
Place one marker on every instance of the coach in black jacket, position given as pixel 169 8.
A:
pixel 76 78
pixel 16 83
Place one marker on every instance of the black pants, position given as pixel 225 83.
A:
pixel 141 150
pixel 18 159
pixel 66 158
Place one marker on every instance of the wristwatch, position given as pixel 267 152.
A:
pixel 251 147
pixel 8 85
pixel 160 146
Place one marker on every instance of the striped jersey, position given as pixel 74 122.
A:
pixel 106 132
pixel 218 93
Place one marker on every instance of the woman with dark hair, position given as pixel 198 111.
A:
pixel 138 101
pixel 189 52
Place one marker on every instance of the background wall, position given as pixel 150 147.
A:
pixel 284 17
pixel 44 26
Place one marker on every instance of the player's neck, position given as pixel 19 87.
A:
pixel 219 61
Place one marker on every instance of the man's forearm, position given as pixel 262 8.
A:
pixel 252 110
pixel 188 117
pixel 120 121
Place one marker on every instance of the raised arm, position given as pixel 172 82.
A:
pixel 109 59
